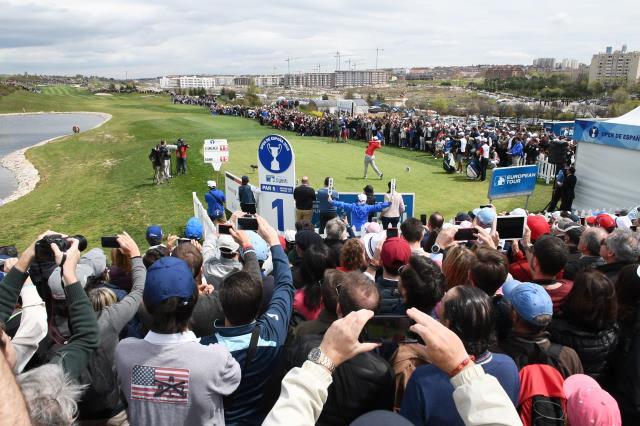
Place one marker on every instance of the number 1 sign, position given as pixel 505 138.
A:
pixel 277 175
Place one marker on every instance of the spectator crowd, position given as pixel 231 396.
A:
pixel 383 321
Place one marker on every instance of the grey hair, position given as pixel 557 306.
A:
pixel 592 238
pixel 52 396
pixel 624 245
pixel 334 229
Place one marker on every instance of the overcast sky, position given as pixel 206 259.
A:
pixel 153 38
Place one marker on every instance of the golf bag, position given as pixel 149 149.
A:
pixel 449 163
pixel 473 169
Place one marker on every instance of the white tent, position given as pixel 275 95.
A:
pixel 608 162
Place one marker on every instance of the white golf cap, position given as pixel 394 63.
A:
pixel 211 183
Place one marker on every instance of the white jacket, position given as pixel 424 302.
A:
pixel 479 398
pixel 33 326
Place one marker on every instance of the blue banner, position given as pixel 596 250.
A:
pixel 605 133
pixel 352 197
pixel 513 181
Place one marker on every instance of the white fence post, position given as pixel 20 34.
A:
pixel 208 228
pixel 546 171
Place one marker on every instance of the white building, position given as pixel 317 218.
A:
pixel 186 82
pixel 269 80
pixel 167 83
pixel 224 80
pixel 195 82
pixel 617 66
pixel 361 78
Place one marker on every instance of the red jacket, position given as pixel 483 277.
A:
pixel 373 145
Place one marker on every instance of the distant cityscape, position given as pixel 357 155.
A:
pixel 608 67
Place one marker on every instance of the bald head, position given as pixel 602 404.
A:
pixel 357 292
pixel 305 180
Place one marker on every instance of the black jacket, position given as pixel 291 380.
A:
pixel 625 363
pixel 612 270
pixel 582 264
pixel 593 348
pixel 362 384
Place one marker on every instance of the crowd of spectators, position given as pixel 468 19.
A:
pixel 253 327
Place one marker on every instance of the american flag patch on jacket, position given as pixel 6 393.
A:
pixel 165 385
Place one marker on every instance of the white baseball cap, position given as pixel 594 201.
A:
pixel 211 183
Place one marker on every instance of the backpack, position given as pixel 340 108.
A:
pixel 542 400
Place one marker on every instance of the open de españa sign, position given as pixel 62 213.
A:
pixel 216 152
pixel 513 181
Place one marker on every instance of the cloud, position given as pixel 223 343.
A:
pixel 151 38
pixel 560 18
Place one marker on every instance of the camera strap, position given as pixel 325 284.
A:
pixel 64 258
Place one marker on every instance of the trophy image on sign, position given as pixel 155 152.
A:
pixel 275 151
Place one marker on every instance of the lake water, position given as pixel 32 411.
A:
pixel 21 131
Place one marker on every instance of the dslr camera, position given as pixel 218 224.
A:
pixel 43 250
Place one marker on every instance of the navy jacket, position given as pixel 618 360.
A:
pixel 245 195
pixel 244 405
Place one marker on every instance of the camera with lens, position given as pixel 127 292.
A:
pixel 43 250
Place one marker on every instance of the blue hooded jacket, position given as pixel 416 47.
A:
pixel 360 211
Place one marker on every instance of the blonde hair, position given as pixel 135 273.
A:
pixel 456 266
pixel 101 297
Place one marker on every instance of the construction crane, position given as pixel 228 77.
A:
pixel 288 61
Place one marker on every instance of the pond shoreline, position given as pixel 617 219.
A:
pixel 27 176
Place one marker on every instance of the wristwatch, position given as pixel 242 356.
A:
pixel 319 358
pixel 435 249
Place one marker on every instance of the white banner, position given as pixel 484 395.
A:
pixel 277 176
pixel 216 152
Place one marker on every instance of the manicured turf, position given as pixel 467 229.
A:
pixel 99 182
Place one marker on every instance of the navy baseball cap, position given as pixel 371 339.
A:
pixel 193 229
pixel 154 233
pixel 168 277
pixel 528 299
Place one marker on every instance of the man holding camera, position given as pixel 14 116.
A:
pixel 181 156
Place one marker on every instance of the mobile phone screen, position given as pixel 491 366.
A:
pixel 510 227
pixel 389 329
pixel 466 234
pixel 110 242
pixel 423 219
pixel 224 228
pixel 248 223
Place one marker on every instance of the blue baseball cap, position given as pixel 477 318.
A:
pixel 168 277
pixel 528 299
pixel 154 234
pixel 259 245
pixel 486 216
pixel 193 229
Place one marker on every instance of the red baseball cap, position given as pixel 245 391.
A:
pixel 606 221
pixel 538 226
pixel 395 253
pixel 591 220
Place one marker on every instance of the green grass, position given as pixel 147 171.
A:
pixel 99 182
